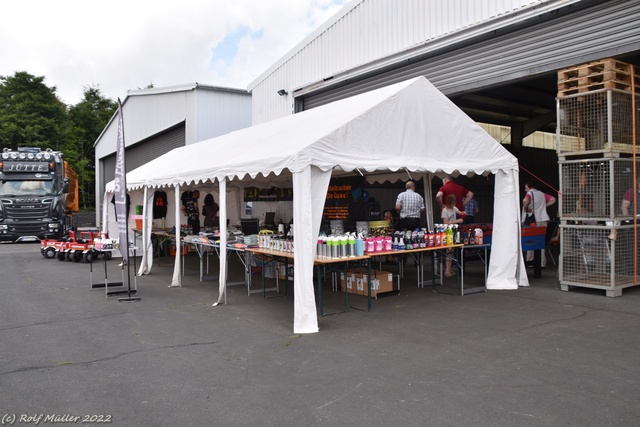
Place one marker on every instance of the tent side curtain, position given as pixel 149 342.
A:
pixel 506 266
pixel 309 190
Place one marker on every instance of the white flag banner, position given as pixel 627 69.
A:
pixel 120 180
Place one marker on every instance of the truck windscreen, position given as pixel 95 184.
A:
pixel 26 188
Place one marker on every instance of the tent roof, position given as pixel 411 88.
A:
pixel 408 125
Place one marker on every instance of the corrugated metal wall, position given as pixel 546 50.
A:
pixel 604 29
pixel 219 112
pixel 139 154
pixel 144 116
pixel 208 113
pixel 374 33
pixel 156 122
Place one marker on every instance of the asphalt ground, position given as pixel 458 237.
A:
pixel 534 356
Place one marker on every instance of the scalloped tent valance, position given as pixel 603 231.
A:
pixel 408 125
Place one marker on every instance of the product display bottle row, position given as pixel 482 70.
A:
pixel 275 242
pixel 350 245
pixel 340 246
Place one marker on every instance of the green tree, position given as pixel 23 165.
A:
pixel 87 120
pixel 30 113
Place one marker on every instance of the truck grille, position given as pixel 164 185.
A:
pixel 26 217
pixel 30 229
pixel 28 210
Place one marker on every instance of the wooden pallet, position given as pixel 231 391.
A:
pixel 604 74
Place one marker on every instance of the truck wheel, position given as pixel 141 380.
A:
pixel 88 256
pixel 107 255
pixel 77 256
pixel 60 255
pixel 68 255
pixel 49 252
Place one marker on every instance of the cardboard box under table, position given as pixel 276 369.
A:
pixel 356 282
pixel 338 269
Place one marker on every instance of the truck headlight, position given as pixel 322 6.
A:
pixel 54 226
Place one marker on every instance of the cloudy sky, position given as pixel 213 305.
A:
pixel 121 45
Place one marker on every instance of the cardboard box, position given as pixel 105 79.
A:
pixel 282 271
pixel 385 281
pixel 381 281
pixel 361 285
pixel 375 285
pixel 350 282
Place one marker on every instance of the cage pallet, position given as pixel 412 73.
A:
pixel 581 282
pixel 598 122
pixel 604 74
pixel 593 189
pixel 598 257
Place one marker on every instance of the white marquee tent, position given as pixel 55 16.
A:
pixel 409 126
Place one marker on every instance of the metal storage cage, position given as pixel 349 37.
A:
pixel 594 188
pixel 595 140
pixel 599 256
pixel 598 121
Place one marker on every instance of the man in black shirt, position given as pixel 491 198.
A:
pixel 191 210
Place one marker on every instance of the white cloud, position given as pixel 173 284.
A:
pixel 123 45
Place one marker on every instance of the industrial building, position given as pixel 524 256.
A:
pixel 498 60
pixel 158 120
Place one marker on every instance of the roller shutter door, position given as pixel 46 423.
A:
pixel 144 151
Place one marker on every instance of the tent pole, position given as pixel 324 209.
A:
pixel 428 199
pixel 177 269
pixel 222 215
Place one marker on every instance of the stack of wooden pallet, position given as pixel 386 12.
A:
pixel 604 74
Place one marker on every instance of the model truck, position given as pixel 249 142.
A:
pixel 38 194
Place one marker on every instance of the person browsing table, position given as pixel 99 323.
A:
pixel 536 202
pixel 450 215
pixel 463 196
pixel 210 212
pixel 471 209
pixel 190 209
pixel 410 205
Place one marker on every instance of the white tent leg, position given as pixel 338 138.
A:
pixel 309 190
pixel 147 245
pixel 222 278
pixel 428 199
pixel 176 280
